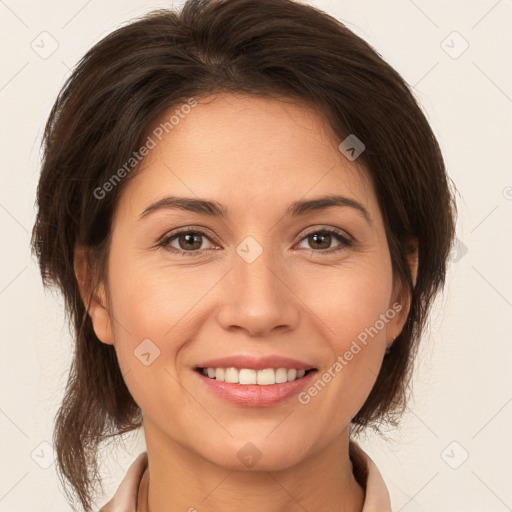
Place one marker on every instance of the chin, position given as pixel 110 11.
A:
pixel 260 454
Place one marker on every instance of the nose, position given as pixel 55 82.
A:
pixel 257 299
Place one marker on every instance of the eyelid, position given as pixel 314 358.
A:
pixel 320 228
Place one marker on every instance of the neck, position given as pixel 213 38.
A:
pixel 178 479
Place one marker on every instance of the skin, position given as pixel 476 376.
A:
pixel 293 300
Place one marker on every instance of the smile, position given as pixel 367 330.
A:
pixel 267 393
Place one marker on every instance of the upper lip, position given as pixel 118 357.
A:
pixel 254 362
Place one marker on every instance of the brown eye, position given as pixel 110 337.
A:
pixel 188 242
pixel 321 240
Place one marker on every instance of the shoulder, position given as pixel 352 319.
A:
pixel 125 498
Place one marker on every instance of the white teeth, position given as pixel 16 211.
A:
pixel 247 376
pixel 264 377
pixel 231 375
pixel 281 375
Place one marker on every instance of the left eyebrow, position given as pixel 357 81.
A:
pixel 321 203
pixel 216 209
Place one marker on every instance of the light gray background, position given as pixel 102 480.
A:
pixel 462 387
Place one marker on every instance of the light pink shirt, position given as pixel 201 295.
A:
pixel 125 499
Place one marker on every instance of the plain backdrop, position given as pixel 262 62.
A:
pixel 453 449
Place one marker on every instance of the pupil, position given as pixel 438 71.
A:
pixel 316 236
pixel 191 238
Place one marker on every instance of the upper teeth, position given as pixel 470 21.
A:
pixel 249 376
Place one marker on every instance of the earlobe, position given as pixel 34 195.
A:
pixel 94 300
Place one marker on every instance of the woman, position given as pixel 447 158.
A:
pixel 249 217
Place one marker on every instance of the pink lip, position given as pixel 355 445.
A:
pixel 255 363
pixel 253 395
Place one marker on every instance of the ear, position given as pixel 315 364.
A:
pixel 401 302
pixel 94 300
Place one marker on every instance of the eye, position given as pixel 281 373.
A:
pixel 321 239
pixel 188 242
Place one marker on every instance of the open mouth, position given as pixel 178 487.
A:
pixel 265 377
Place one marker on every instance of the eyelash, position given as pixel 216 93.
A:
pixel 346 242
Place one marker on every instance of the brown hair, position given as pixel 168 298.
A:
pixel 265 48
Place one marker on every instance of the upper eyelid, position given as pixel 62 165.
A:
pixel 338 231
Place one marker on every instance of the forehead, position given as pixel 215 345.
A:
pixel 241 151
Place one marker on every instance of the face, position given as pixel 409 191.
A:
pixel 185 287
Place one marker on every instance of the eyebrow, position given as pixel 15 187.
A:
pixel 215 209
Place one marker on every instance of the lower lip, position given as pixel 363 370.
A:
pixel 254 395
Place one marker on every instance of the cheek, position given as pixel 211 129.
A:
pixel 357 308
pixel 152 313
pixel 149 295
pixel 348 298
pixel 157 310
pixel 352 312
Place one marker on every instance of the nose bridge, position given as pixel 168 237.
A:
pixel 258 278
pixel 257 298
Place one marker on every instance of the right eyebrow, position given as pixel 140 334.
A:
pixel 190 204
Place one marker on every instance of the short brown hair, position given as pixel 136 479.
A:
pixel 265 48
